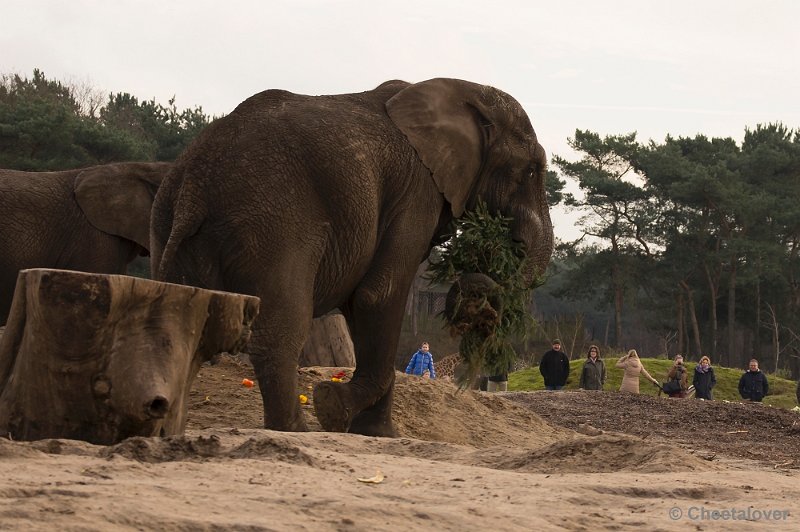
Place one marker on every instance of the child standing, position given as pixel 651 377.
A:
pixel 422 361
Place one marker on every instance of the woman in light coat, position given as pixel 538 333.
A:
pixel 633 368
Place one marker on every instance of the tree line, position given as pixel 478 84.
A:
pixel 49 125
pixel 695 239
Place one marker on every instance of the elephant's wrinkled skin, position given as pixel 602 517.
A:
pixel 318 202
pixel 94 219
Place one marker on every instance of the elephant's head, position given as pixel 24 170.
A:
pixel 117 198
pixel 478 143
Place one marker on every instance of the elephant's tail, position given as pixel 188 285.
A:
pixel 187 217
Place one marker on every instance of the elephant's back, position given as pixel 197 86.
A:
pixel 34 194
pixel 274 137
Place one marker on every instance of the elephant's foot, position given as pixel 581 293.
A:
pixel 296 424
pixel 281 408
pixel 332 409
pixel 366 425
pixel 376 420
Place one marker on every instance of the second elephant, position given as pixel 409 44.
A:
pixel 94 219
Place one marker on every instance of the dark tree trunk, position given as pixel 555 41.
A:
pixel 713 291
pixel 681 322
pixel 698 348
pixel 730 357
pixel 618 302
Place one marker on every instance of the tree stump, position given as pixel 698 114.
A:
pixel 328 344
pixel 102 358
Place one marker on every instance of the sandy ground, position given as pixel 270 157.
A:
pixel 464 461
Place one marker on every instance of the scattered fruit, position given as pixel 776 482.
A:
pixel 247 383
pixel 303 399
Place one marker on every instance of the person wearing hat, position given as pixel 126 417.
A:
pixel 554 367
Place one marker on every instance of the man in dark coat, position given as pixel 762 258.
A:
pixel 554 367
pixel 753 385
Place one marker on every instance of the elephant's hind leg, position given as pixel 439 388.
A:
pixel 278 336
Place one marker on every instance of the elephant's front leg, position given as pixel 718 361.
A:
pixel 374 315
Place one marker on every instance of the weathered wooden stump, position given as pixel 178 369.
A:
pixel 104 357
pixel 328 344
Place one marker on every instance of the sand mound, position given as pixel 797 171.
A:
pixel 425 409
pixel 603 454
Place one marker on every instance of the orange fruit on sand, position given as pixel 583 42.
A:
pixel 247 383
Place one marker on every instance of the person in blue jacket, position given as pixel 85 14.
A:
pixel 422 361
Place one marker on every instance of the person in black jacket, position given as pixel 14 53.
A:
pixel 753 386
pixel 554 367
pixel 704 379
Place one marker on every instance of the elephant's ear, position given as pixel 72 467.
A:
pixel 450 126
pixel 117 198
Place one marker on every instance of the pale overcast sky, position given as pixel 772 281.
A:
pixel 681 67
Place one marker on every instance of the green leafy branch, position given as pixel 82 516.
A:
pixel 480 242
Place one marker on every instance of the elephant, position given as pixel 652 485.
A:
pixel 314 203
pixel 94 219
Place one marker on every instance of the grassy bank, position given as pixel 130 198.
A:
pixel 781 391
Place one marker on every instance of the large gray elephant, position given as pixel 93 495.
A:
pixel 94 219
pixel 318 202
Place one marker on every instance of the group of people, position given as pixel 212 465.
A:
pixel 554 367
pixel 753 384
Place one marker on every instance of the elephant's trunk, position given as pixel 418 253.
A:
pixel 532 225
pixel 535 231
